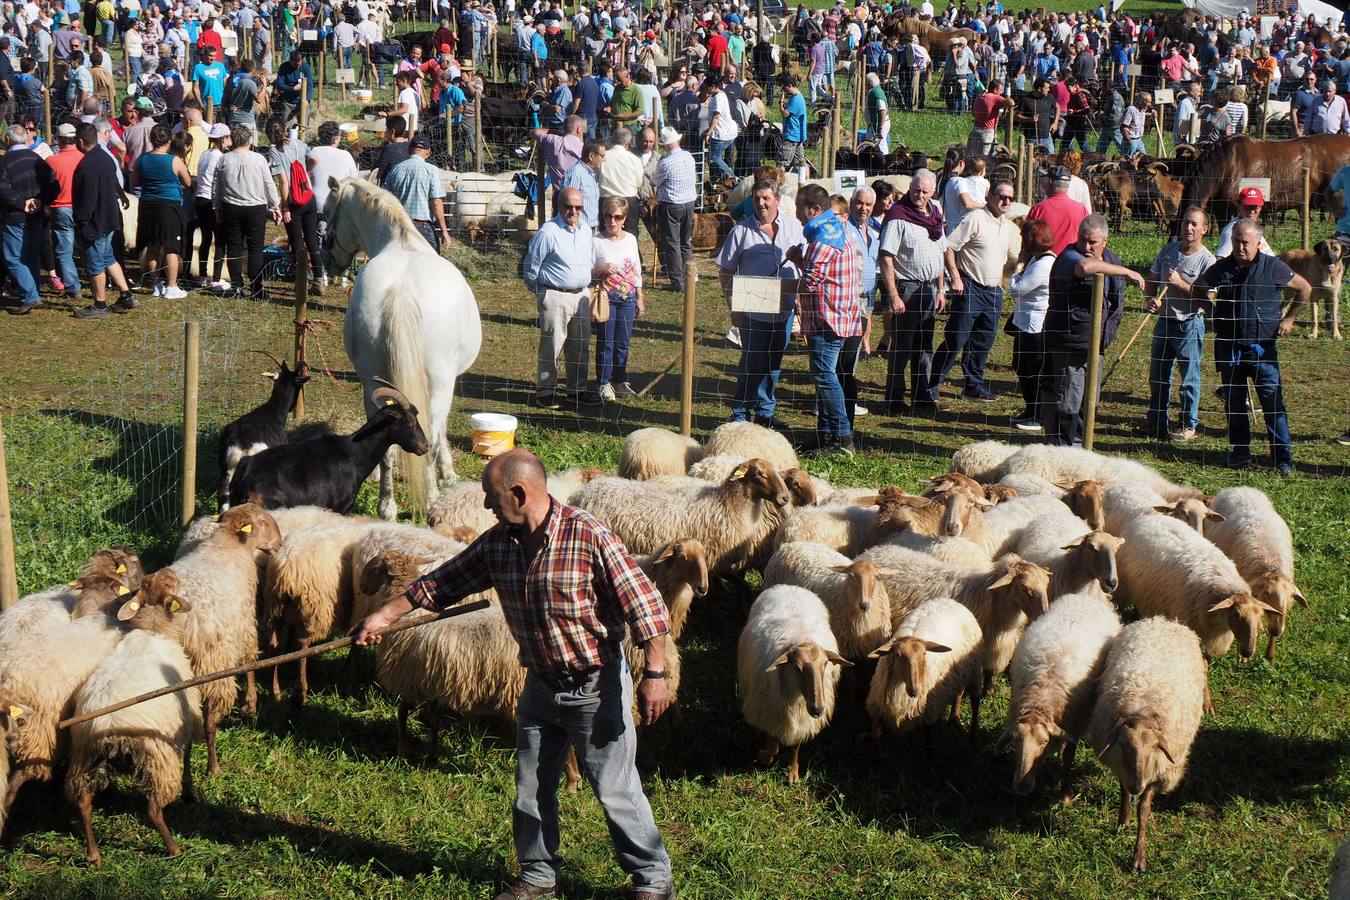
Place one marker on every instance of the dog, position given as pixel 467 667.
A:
pixel 1324 268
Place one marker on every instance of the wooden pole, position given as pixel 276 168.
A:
pixel 301 317
pixel 192 334
pixel 1094 361
pixel 323 56
pixel 835 128
pixel 210 110
pixel 9 578
pixel 304 105
pixel 687 344
pixel 1265 111
pixel 478 130
pixel 1012 117
pixel 541 174
pixel 1307 208
pixel 243 669
pixel 859 95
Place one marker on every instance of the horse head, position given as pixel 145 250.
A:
pixel 342 241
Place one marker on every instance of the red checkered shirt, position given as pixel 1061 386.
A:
pixel 567 608
pixel 829 294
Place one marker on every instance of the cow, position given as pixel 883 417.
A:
pixel 710 229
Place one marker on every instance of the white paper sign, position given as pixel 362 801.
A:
pixel 1133 70
pixel 346 76
pixel 1164 96
pixel 309 34
pixel 754 294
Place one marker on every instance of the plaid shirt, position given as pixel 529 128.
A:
pixel 830 291
pixel 566 608
pixel 416 182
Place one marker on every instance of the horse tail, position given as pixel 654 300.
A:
pixel 405 349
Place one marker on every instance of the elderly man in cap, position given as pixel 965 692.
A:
pixel 420 189
pixel 676 183
pixel 1058 209
pixel 1250 203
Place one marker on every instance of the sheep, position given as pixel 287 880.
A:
pixel 1125 501
pixel 947 549
pixel 860 612
pixel 287 520
pixel 562 485
pixel 308 590
pixel 787 667
pixel 1251 533
pixel 1340 873
pixel 462 505
pixel 731 519
pixel 1027 484
pixel 982 460
pixel 845 529
pixel 1054 676
pixel 1080 560
pixel 116 562
pixel 219 583
pixel 910 688
pixel 996 530
pixel 1149 702
pixel 752 441
pixel 11 720
pixel 649 452
pixel 153 739
pixel 679 571
pixel 1073 464
pixel 1167 569
pixel 262 427
pixel 1003 596
pixel 807 489
pixel 898 511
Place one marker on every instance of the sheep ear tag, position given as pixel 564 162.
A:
pixel 128 610
pixel 388 401
pixel 246 529
pixel 121 568
pixel 16 713
pixel 174 605
pixel 738 473
pixel 73 584
pixel 123 590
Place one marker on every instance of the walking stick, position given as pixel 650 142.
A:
pixel 1162 290
pixel 458 610
pixel 667 370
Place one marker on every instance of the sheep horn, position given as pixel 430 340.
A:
pixel 388 391
pixel 270 356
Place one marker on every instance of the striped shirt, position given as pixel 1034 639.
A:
pixel 416 182
pixel 567 608
pixel 829 295
pixel 917 256
pixel 676 180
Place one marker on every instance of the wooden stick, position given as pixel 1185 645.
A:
pixel 338 644
pixel 1126 349
pixel 680 356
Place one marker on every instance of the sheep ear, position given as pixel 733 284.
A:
pixel 936 648
pixel 1074 543
pixel 1213 516
pixel 842 570
pixel 1267 607
pixel 179 605
pixel 1006 580
pixel 738 473
pixel 870 500
pixel 1166 751
pixel 1221 605
pixel 1064 487
pixel 1300 599
pixel 127 611
pixel 983 503
pixel 887 571
pixel 1164 508
pixel 837 659
pixel 780 661
pixel 668 552
pixel 882 650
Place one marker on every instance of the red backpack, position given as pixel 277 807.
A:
pixel 301 190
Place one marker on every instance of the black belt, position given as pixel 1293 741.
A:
pixel 549 287
pixel 567 682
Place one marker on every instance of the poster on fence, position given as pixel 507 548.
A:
pixel 751 294
pixel 346 76
pixel 1262 183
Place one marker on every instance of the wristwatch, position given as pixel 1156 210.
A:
pixel 653 673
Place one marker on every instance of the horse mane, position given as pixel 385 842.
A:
pixel 377 201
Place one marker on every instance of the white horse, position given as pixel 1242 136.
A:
pixel 411 319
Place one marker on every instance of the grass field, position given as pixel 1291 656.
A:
pixel 315 803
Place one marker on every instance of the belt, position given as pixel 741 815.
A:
pixel 568 682
pixel 550 287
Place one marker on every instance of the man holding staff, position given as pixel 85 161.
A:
pixel 568 590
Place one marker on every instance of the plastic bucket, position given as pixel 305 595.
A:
pixel 493 433
pixel 349 132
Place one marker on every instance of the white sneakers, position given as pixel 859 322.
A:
pixel 173 292
pixel 607 392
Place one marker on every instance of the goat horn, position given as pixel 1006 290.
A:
pixel 270 356
pixel 388 391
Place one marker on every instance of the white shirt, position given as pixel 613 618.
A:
pixel 1226 242
pixel 206 173
pixel 725 129
pixel 625 249
pixel 412 99
pixel 976 186
pixel 329 162
pixel 1078 190
pixel 1030 290
pixel 370 33
pixel 621 174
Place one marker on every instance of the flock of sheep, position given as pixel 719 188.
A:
pixel 1019 559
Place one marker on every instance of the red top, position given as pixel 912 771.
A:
pixel 63 164
pixel 986 109
pixel 567 607
pixel 211 38
pixel 829 294
pixel 1063 215
pixel 717 47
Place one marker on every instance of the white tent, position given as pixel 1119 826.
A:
pixel 1231 9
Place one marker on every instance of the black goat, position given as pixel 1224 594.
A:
pixel 260 428
pixel 327 471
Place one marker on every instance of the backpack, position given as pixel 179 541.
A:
pixel 301 190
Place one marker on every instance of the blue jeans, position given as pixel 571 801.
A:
pixel 1180 343
pixel 824 350
pixel 63 237
pixel 136 63
pixel 1048 142
pixel 595 715
pixel 1135 147
pixel 346 56
pixel 971 328
pixel 1108 136
pixel 1264 374
pixel 718 157
pixel 612 337
pixel 763 340
pixel 22 247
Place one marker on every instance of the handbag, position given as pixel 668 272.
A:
pixel 599 302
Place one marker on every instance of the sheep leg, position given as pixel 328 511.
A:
pixel 155 812
pixel 794 773
pixel 1314 308
pixel 189 793
pixel 975 697
pixel 573 771
pixel 16 781
pixel 433 734
pixel 955 717
pixel 1066 764
pixel 1145 810
pixel 274 649
pixel 769 752
pixel 303 690
pixel 1270 648
pixel 403 748
pixel 212 761
pixel 1123 815
pixel 85 804
pixel 250 710
pixel 988 682
pixel 386 507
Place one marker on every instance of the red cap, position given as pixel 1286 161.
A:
pixel 1252 196
pixel 651 35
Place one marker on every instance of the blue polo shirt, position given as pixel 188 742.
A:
pixel 794 120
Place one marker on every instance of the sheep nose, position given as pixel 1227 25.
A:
pixel 1110 584
pixel 816 711
pixel 864 607
pixel 1024 786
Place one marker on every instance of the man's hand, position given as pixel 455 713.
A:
pixel 1286 326
pixel 941 300
pixel 30 205
pixel 366 628
pixel 286 217
pixel 445 235
pixel 897 305
pixel 653 698
pixel 1137 280
pixel 956 284
pixel 1154 304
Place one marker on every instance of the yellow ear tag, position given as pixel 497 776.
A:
pixel 121 568
pixel 388 401
pixel 246 529
pixel 173 606
pixel 739 472
pixel 73 584
pixel 123 590
pixel 16 712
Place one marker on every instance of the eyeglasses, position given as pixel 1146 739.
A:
pixel 574 208
pixel 616 218
pixel 1003 198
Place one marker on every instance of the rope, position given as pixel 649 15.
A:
pixel 311 326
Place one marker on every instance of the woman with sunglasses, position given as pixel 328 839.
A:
pixel 617 269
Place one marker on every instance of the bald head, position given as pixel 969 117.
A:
pixel 515 489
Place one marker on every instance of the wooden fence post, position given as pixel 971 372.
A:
pixel 9 578
pixel 301 318
pixel 478 130
pixel 304 105
pixel 1307 208
pixel 687 345
pixel 191 351
pixel 541 173
pixel 834 126
pixel 323 56
pixel 859 98
pixel 1094 361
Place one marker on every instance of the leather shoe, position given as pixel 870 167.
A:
pixel 523 890
pixel 775 423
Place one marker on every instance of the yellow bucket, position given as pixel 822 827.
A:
pixel 493 433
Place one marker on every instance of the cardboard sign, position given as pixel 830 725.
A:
pixel 1164 97
pixel 754 294
pixel 346 76
pixel 848 181
pixel 1134 70
pixel 309 34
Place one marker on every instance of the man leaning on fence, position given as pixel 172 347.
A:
pixel 1068 327
pixel 557 270
pixel 1241 297
pixel 569 591
pixel 420 189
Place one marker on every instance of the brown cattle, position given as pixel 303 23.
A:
pixel 1214 185
pixel 710 228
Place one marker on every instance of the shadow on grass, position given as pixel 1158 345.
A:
pixel 1259 767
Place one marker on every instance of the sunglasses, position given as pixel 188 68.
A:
pixel 1003 198
pixel 574 208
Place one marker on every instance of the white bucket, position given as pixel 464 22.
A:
pixel 348 130
pixel 493 433
pixel 362 95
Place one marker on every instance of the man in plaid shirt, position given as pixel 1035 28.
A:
pixel 568 589
pixel 829 305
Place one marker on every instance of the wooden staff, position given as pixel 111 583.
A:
pixel 1162 292
pixel 457 610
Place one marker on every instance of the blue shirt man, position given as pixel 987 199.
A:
pixel 453 100
pixel 588 107
pixel 209 77
pixel 539 47
pixel 560 104
pixel 582 177
pixel 794 116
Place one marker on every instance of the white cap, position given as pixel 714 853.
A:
pixel 669 136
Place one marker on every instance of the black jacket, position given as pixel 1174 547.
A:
pixel 24 176
pixel 94 191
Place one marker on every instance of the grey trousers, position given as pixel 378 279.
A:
pixel 564 330
pixel 1064 397
pixel 595 716
pixel 675 239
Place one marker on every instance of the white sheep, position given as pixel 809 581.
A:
pixel 1079 559
pixel 461 506
pixel 860 612
pixel 1054 676
pixel 1149 702
pixel 998 530
pixel 1252 534
pixel 218 582
pixel 948 549
pixel 152 739
pixel 45 656
pixel 846 529
pixel 787 667
pixel 1125 501
pixel 928 665
pixel 731 519
pixel 1003 596
pixel 1166 569
pixel 982 459
pixel 287 520
pixel 649 452
pixel 752 441
pixel 1073 464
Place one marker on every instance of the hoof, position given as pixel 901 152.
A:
pixel 95 861
pixel 213 769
